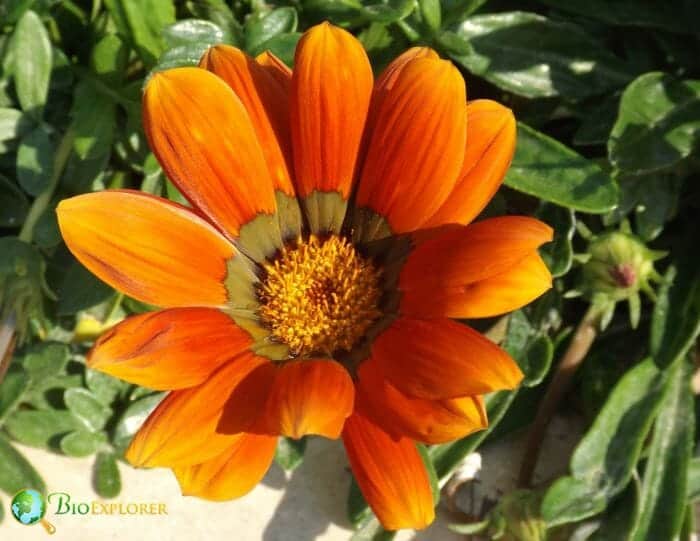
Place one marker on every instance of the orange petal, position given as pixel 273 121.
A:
pixel 186 427
pixel 267 103
pixel 205 141
pixel 489 151
pixel 519 285
pixel 390 474
pixel 232 473
pixel 454 256
pixel 275 67
pixel 310 397
pixel 428 421
pixel 331 88
pixel 149 248
pixel 440 358
pixel 170 349
pixel 416 148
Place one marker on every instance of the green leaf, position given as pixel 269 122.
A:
pixel 182 55
pixel 620 518
pixel 12 389
pixel 31 49
pixel 431 12
pixel 107 480
pixel 665 482
pixel 109 59
pixel 40 428
pixel 45 360
pixel 388 12
pixel 35 161
pixel 190 31
pixel 558 255
pixel 658 124
pixel 132 419
pixel 93 116
pixel 46 233
pixel 290 453
pixel 676 318
pixel 597 121
pixel 16 472
pixel 80 290
pixel 537 361
pixel 141 23
pixel 673 15
pixel 82 443
pixel 547 169
pixel 13 204
pixel 87 408
pixel 604 460
pixel 282 46
pixel 372 530
pixel 535 57
pixel 13 123
pixel 279 21
pixel 694 479
pixel 105 387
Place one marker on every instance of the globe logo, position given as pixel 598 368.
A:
pixel 28 507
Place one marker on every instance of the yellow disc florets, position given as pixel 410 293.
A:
pixel 320 296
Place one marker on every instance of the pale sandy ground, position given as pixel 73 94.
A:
pixel 306 505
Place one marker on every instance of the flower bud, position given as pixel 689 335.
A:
pixel 519 516
pixel 618 267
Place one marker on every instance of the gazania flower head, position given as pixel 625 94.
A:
pixel 312 286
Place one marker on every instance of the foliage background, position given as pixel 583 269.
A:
pixel 609 123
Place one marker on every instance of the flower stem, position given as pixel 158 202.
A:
pixel 580 344
pixel 44 198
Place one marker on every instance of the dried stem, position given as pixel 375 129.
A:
pixel 578 349
pixel 8 338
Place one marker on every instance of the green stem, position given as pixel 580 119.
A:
pixel 579 347
pixel 44 198
pixel 115 306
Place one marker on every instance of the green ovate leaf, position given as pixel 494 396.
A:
pixel 621 516
pixel 12 388
pixel 545 168
pixel 87 408
pixel 94 122
pixel 80 290
pixel 676 317
pixel 604 460
pixel 82 443
pixel 105 387
pixel 558 255
pixel 32 58
pixel 658 124
pixel 270 25
pixel 290 452
pixel 141 23
pixel 13 123
pixel 665 482
pixel 16 472
pixel 107 479
pixel 45 360
pixel 190 31
pixel 35 161
pixel 694 479
pixel 536 57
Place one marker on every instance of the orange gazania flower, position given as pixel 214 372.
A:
pixel 312 285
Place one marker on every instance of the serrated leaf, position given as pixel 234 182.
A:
pixel 32 58
pixel 35 161
pixel 87 408
pixel 16 472
pixel 536 57
pixel 545 168
pixel 107 480
pixel 658 124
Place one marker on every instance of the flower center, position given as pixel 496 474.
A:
pixel 320 296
